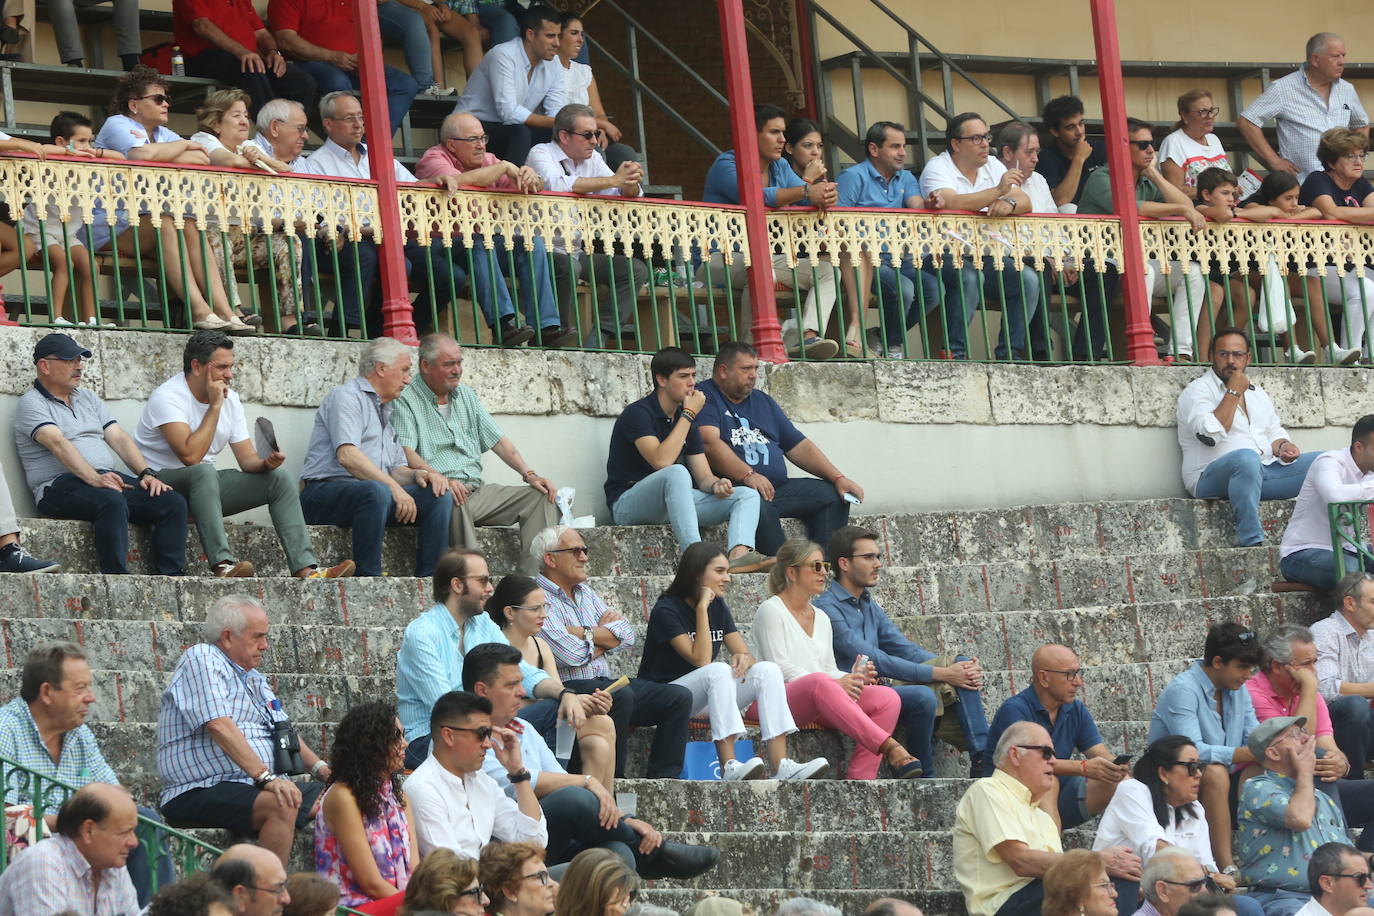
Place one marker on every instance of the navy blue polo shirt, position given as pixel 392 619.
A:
pixel 625 466
pixel 756 429
pixel 1074 729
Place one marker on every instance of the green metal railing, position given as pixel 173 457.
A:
pixel 1351 524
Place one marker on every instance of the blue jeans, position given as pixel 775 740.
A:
pixel 501 24
pixel 897 290
pixel 1317 567
pixel 488 280
pixel 816 501
pixel 406 26
pixel 669 495
pixel 366 506
pixel 1356 797
pixel 140 868
pixel 112 511
pixel 963 286
pixel 572 816
pixel 1240 477
pixel 1278 902
pixel 917 718
pixel 1026 901
pixel 400 87
pixel 1354 731
pixel 533 282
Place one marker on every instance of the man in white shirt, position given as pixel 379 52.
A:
pixel 187 422
pixel 1340 475
pixel 1018 148
pixel 1338 874
pixel 1345 668
pixel 571 162
pixel 966 177
pixel 1234 446
pixel 457 806
pixel 282 131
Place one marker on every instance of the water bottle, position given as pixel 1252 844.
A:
pixel 860 665
pixel 178 62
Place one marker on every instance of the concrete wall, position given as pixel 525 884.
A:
pixel 915 435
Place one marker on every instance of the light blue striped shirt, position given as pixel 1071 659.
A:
pixel 81 761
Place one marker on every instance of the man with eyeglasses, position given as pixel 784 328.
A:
pixel 967 177
pixel 282 130
pixel 1281 817
pixel 584 632
pixel 457 806
pixel 430 660
pixel 1084 786
pixel 1339 878
pixel 254 878
pixel 1170 879
pixel 1345 668
pixel 1340 475
pixel 1233 442
pixel 934 691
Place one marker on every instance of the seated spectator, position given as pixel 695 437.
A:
pixel 418 26
pixel 1338 875
pixel 81 866
pixel 967 177
pixel 193 895
pixel 495 24
pixel 457 806
pixel 356 474
pixel 461 151
pixel 322 38
pixel 228 43
pixel 516 881
pixel 1004 842
pixel 861 627
pixel 882 180
pixel 1172 878
pixel 1077 883
pixel 805 906
pixel 434 270
pixel 581 812
pixel 687 626
pixel 282 131
pixel 1234 445
pixel 749 440
pixel 570 162
pixel 311 895
pixel 254 878
pixel 364 834
pixel 891 906
pixel 783 187
pixel 518 608
pixel 517 89
pixel 445 882
pixel 1345 668
pixel 1085 786
pixel 789 631
pixel 1208 704
pixel 1281 818
pixel 13 557
pixel 803 150
pixel 44 729
pixel 426 670
pixel 1071 157
pixel 1340 475
pixel 137 129
pixel 217 728
pixel 185 425
pixel 582 632
pixel 443 427
pixel 579 88
pixel 1209 905
pixel 597 883
pixel 1192 147
pixel 67 441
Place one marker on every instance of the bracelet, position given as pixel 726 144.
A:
pixel 528 474
pixel 146 472
pixel 315 770
pixel 564 692
pixel 1084 763
pixel 690 415
pixel 521 775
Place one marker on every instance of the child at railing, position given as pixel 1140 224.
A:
pixel 1218 194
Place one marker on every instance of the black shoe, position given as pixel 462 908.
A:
pixel 15 559
pixel 555 336
pixel 513 336
pixel 977 766
pixel 680 861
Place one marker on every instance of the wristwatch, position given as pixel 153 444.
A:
pixel 1230 871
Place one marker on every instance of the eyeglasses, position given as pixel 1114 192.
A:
pixel 275 891
pixel 1073 674
pixel 582 550
pixel 475 138
pixel 1206 112
pixel 1353 157
pixel 865 556
pixel 1231 354
pixel 1194 767
pixel 1142 144
pixel 351 119
pixel 474 892
pixel 529 607
pixel 158 98
pixel 481 733
pixel 819 566
pixel 1045 750
pixel 542 875
pixel 1106 883
pixel 590 136
pixel 1194 887
pixel 301 129
pixel 977 138
pixel 1359 877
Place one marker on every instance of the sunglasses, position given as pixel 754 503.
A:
pixel 1142 144
pixel 590 136
pixel 481 733
pixel 1045 750
pixel 1194 887
pixel 1194 767
pixel 820 566
pixel 158 98
pixel 582 550
pixel 1359 877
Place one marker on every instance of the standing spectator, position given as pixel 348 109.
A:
pixel 322 37
pixel 579 87
pixel 226 41
pixel 1305 104
pixel 1345 668
pixel 1340 475
pixel 1192 148
pixel 67 441
pixel 1067 162
pixel 13 557
pixel 518 88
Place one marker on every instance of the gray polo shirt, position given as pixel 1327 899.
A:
pixel 351 414
pixel 83 424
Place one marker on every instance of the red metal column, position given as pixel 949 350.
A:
pixel 739 88
pixel 1140 346
pixel 811 102
pixel 397 319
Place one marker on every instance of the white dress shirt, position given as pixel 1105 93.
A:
pixel 1038 190
pixel 465 813
pixel 1333 478
pixel 534 753
pixel 1255 426
pixel 778 638
pixel 559 172
pixel 1313 908
pixel 506 89
pixel 1130 821
pixel 333 161
pixel 52 876
pixel 1342 655
pixel 941 172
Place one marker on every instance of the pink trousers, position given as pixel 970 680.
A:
pixel 869 720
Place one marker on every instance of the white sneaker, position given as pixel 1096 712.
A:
pixel 735 770
pixel 790 769
pixel 895 353
pixel 60 322
pixel 1300 357
pixel 1340 356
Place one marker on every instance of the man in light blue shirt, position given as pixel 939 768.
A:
pixel 518 87
pixel 1208 703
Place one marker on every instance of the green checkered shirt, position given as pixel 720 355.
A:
pixel 81 760
pixel 452 446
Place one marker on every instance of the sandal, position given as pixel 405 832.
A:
pixel 853 348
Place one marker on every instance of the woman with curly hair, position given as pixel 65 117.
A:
pixel 1077 885
pixel 514 877
pixel 364 833
pixel 445 882
pixel 597 883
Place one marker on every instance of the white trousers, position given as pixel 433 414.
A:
pixel 1355 294
pixel 716 690
pixel 1185 291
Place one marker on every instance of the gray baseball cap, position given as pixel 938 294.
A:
pixel 1268 730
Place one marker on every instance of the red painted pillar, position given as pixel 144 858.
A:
pixel 811 103
pixel 1140 346
pixel 739 89
pixel 397 318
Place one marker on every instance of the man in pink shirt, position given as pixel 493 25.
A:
pixel 462 150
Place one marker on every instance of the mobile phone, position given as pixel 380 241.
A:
pixel 619 682
pixel 1122 759
pixel 852 499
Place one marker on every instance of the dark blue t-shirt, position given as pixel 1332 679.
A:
pixel 1073 729
pixel 673 617
pixel 756 428
pixel 1321 183
pixel 1054 165
pixel 625 466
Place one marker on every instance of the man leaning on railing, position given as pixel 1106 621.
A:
pixel 1340 475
